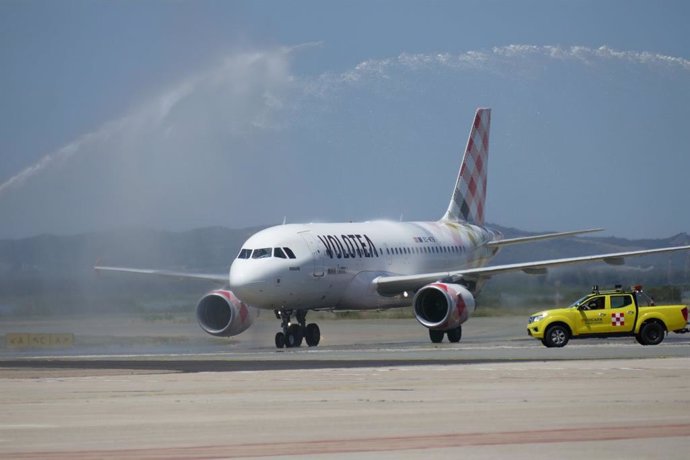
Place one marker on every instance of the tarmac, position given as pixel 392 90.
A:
pixel 372 389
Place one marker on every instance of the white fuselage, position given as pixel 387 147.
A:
pixel 334 264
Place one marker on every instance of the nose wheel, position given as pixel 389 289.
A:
pixel 293 334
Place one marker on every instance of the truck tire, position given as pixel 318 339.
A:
pixel 556 336
pixel 651 333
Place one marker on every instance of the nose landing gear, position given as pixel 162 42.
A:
pixel 293 334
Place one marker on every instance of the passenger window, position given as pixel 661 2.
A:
pixel 261 253
pixel 289 253
pixel 277 252
pixel 245 254
pixel 620 301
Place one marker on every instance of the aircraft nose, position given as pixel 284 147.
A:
pixel 240 277
pixel 246 281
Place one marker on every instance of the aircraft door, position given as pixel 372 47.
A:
pixel 317 253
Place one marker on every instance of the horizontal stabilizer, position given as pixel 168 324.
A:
pixel 547 236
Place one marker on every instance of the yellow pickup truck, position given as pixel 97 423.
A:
pixel 611 313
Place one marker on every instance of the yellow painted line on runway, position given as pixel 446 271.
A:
pixel 43 340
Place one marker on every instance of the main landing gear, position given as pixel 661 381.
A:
pixel 292 334
pixel 454 335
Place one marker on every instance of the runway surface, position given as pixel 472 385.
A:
pixel 372 389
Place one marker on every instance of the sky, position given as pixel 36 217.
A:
pixel 177 114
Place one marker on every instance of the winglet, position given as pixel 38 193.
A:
pixel 469 195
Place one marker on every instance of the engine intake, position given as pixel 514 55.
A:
pixel 443 306
pixel 222 314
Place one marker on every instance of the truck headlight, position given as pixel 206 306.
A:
pixel 538 317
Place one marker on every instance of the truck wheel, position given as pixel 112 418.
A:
pixel 556 336
pixel 652 333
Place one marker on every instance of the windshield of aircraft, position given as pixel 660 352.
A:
pixel 262 253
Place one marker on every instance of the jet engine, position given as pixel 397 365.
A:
pixel 222 314
pixel 443 306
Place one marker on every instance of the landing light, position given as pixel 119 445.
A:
pixel 405 294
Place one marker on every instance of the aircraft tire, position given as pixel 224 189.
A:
pixel 436 336
pixel 280 340
pixel 312 334
pixel 454 335
pixel 294 336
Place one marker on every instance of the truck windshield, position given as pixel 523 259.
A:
pixel 580 301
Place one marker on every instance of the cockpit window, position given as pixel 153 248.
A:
pixel 277 252
pixel 244 254
pixel 289 252
pixel 261 253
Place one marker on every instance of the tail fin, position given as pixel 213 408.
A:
pixel 467 202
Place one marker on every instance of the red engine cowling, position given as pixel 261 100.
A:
pixel 443 306
pixel 222 314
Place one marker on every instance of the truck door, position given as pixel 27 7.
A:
pixel 594 318
pixel 623 312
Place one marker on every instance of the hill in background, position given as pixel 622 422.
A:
pixel 49 275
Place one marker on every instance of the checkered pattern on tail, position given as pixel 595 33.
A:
pixel 467 203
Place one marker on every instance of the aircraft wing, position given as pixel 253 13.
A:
pixel 392 285
pixel 165 273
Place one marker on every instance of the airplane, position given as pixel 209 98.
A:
pixel 437 267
